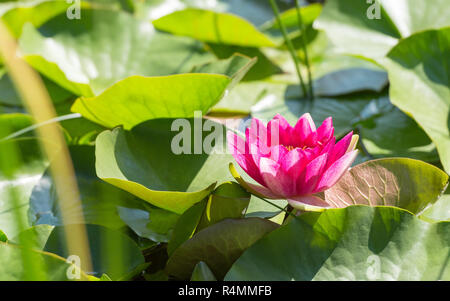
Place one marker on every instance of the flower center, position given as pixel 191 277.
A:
pixel 290 147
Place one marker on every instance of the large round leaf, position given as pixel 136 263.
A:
pixel 137 99
pixel 88 55
pixel 355 243
pixel 213 27
pixel 218 246
pixel 418 69
pixel 372 29
pixel 143 162
pixel 405 183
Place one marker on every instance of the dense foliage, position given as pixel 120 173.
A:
pixel 122 74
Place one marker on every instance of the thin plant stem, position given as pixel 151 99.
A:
pixel 305 50
pixel 279 207
pixel 290 46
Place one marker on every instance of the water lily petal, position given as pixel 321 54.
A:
pixel 326 130
pixel 334 173
pixel 252 188
pixel 279 131
pixel 274 177
pixel 241 153
pixel 312 174
pixel 303 129
pixel 340 148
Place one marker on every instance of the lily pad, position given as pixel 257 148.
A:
pixel 67 51
pixel 372 29
pixel 409 184
pixel 137 99
pixel 218 246
pixel 355 243
pixel 418 69
pixel 148 161
pixel 213 27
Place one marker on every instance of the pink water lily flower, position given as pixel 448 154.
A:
pixel 292 163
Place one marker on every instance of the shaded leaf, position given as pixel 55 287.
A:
pixel 218 246
pixel 143 161
pixel 112 252
pixel 418 69
pixel 355 243
pixel 202 273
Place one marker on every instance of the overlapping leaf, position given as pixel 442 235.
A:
pixel 419 69
pixel 372 29
pixel 88 55
pixel 148 163
pixel 405 183
pixel 355 243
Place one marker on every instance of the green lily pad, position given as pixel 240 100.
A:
pixel 355 243
pixel 143 162
pixel 418 69
pixel 36 236
pixel 153 223
pixel 213 27
pixel 229 200
pixel 3 237
pixel 186 226
pixel 372 29
pixel 218 246
pixel 409 184
pixel 137 99
pixel 67 51
pixel 440 211
pixel 202 273
pixel 37 12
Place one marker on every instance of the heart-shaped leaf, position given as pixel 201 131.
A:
pixel 213 27
pixel 355 243
pixel 218 246
pixel 418 69
pixel 401 182
pixel 137 99
pixel 150 162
